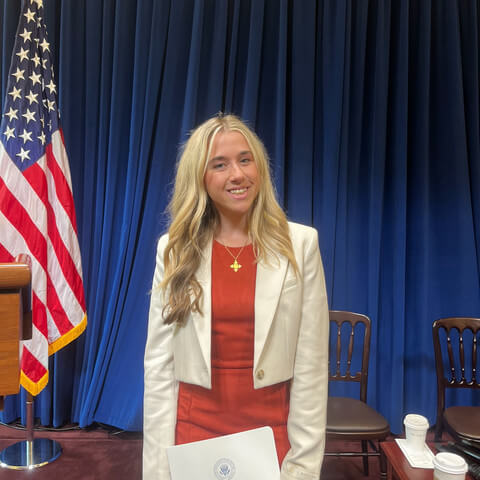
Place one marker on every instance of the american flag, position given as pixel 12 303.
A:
pixel 37 214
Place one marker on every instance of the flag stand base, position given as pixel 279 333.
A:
pixel 31 453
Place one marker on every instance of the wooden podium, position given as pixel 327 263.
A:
pixel 15 323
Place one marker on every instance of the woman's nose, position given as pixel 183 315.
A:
pixel 236 172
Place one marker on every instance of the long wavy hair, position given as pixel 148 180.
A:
pixel 194 218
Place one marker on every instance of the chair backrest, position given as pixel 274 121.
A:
pixel 459 355
pixel 356 336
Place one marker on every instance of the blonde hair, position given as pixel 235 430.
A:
pixel 194 217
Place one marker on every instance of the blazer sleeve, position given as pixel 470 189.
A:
pixel 309 386
pixel 160 394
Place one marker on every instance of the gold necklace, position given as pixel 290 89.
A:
pixel 235 266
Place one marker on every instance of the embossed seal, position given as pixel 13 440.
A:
pixel 224 469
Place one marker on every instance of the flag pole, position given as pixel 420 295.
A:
pixel 32 452
pixel 29 410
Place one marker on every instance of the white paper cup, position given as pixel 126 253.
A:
pixel 449 466
pixel 416 427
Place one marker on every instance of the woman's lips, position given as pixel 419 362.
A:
pixel 238 192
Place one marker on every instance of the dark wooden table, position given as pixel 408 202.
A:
pixel 399 468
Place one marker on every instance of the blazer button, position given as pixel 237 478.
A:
pixel 260 374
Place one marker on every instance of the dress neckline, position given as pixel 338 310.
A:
pixel 247 245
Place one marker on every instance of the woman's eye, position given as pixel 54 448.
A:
pixel 245 160
pixel 218 166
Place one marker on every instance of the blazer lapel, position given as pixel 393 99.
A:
pixel 203 323
pixel 268 288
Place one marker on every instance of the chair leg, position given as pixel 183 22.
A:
pixel 365 458
pixel 383 464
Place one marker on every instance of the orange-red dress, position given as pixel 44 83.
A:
pixel 232 405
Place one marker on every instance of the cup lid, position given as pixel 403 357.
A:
pixel 415 421
pixel 450 463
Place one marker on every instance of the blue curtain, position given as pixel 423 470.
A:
pixel 371 113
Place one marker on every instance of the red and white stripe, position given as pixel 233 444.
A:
pixel 37 217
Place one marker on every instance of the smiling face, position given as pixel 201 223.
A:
pixel 231 177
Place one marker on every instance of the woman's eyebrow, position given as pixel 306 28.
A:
pixel 214 159
pixel 221 157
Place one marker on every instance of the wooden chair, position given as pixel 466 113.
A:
pixel 457 351
pixel 348 418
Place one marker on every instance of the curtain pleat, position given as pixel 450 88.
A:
pixel 392 331
pixel 371 114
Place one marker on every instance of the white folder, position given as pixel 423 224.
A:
pixel 249 455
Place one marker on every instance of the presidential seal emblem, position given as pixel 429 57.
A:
pixel 224 469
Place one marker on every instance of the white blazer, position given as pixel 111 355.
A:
pixel 291 342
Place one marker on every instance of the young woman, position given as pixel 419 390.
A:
pixel 238 323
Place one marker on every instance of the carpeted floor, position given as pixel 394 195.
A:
pixel 93 454
pixel 100 454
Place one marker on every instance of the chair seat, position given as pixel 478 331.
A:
pixel 465 421
pixel 349 418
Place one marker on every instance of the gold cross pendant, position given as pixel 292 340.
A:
pixel 235 266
